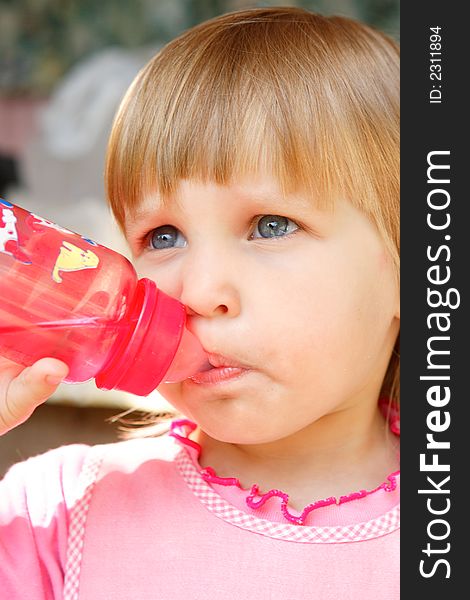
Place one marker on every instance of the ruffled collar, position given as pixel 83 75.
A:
pixel 182 428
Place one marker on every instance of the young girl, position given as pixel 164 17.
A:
pixel 253 166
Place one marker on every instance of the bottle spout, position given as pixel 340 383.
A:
pixel 189 359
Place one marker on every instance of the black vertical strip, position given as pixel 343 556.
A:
pixel 435 271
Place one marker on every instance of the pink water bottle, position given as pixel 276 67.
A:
pixel 65 296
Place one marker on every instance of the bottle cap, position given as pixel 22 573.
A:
pixel 146 350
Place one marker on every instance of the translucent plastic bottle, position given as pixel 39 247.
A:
pixel 62 295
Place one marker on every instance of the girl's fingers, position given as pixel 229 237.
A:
pixel 21 392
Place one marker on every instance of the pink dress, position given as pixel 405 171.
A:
pixel 141 519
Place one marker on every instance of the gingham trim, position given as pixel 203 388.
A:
pixel 78 517
pixel 386 523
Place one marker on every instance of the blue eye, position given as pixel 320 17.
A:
pixel 166 236
pixel 270 226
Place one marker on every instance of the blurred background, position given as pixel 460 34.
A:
pixel 64 66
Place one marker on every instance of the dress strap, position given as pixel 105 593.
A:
pixel 78 516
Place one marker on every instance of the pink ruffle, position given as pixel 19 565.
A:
pixel 182 428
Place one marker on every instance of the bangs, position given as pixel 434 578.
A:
pixel 312 101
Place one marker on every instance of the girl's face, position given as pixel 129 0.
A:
pixel 297 306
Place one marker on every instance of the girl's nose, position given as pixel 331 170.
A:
pixel 210 286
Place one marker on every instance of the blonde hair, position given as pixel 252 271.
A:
pixel 313 100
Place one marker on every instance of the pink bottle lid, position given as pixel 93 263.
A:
pixel 144 355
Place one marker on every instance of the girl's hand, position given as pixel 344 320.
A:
pixel 22 389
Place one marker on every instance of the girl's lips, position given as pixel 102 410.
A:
pixel 220 369
pixel 219 375
pixel 217 360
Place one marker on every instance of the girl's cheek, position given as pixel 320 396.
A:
pixel 165 277
pixel 385 263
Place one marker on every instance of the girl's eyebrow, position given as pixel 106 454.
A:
pixel 133 225
pixel 143 213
